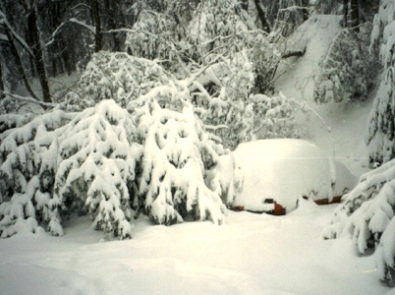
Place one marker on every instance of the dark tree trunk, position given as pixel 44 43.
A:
pixel 18 62
pixel 95 10
pixel 355 15
pixel 111 9
pixel 65 56
pixel 345 13
pixel 244 4
pixel 1 81
pixel 38 57
pixel 305 10
pixel 262 16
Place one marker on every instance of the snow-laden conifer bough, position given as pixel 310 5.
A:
pixel 108 160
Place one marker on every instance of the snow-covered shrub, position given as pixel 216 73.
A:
pixel 224 107
pixel 290 14
pixel 270 117
pixel 96 166
pixel 155 36
pixel 381 128
pixel 177 155
pixel 61 163
pixel 343 70
pixel 26 172
pixel 116 76
pixel 217 27
pixel 366 214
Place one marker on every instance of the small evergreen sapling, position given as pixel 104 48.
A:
pixel 367 214
pixel 177 154
pixel 27 171
pixel 97 156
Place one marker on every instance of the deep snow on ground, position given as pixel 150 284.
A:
pixel 249 254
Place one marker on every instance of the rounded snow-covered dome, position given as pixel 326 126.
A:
pixel 281 171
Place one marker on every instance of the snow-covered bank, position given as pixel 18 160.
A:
pixel 337 128
pixel 250 254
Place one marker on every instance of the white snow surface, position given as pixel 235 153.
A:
pixel 250 254
pixel 282 170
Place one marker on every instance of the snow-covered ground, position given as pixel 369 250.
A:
pixel 249 254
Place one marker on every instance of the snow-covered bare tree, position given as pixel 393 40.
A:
pixel 343 70
pixel 118 76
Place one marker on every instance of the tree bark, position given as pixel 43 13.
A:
pixel 19 63
pixel 345 13
pixel 355 15
pixel 262 16
pixel 111 15
pixel 1 81
pixel 305 10
pixel 96 19
pixel 38 56
pixel 244 5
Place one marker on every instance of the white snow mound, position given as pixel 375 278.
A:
pixel 282 170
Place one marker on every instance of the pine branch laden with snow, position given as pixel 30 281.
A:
pixel 367 214
pixel 381 128
pixel 343 72
pixel 116 76
pixel 27 170
pixel 97 158
pixel 177 154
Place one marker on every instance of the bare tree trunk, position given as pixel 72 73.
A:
pixel 305 11
pixel 38 56
pixel 262 16
pixel 345 13
pixel 244 5
pixel 355 15
pixel 111 14
pixel 96 19
pixel 1 81
pixel 18 62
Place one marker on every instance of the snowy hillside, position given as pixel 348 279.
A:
pixel 338 128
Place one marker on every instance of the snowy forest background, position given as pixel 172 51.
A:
pixel 121 109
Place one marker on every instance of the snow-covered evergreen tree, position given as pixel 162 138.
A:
pixel 381 129
pixel 27 172
pixel 97 153
pixel 367 212
pixel 62 163
pixel 177 154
